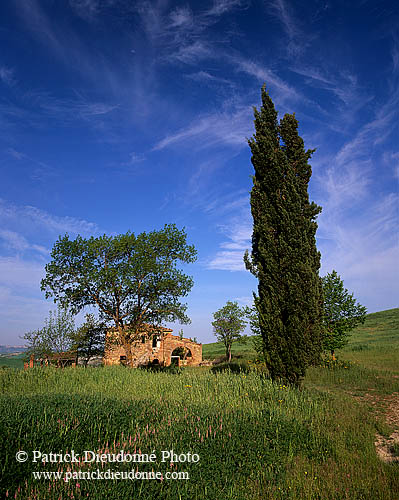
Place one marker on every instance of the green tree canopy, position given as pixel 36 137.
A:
pixel 56 336
pixel 229 324
pixel 132 280
pixel 89 339
pixel 341 313
pixel 256 337
pixel 284 255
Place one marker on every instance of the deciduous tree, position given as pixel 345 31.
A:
pixel 56 336
pixel 341 313
pixel 89 339
pixel 133 280
pixel 228 325
pixel 256 337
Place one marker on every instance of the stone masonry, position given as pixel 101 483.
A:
pixel 155 349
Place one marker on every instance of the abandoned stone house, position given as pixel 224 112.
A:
pixel 161 348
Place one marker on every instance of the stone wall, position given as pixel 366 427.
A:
pixel 146 350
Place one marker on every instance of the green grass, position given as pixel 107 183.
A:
pixel 256 439
pixel 12 361
pixel 376 343
pixel 217 350
pixel 372 354
pixel 274 441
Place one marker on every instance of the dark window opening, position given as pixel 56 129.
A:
pixel 175 360
pixel 154 342
pixel 182 352
pixel 143 339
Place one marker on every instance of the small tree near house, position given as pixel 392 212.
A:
pixel 256 337
pixel 90 339
pixel 56 336
pixel 132 280
pixel 229 324
pixel 341 313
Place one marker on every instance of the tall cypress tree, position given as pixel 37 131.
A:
pixel 284 254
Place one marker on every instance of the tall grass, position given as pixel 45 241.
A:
pixel 255 438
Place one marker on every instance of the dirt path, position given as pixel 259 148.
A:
pixel 386 408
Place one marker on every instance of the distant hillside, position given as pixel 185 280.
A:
pixel 12 360
pixel 217 349
pixel 380 330
pixel 6 349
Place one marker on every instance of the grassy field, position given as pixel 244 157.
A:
pixel 12 361
pixel 373 355
pixel 255 439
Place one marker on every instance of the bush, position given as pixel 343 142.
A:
pixel 359 347
pixel 333 364
pixel 174 369
pixel 233 367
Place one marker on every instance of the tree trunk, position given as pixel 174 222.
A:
pixel 228 353
pixel 126 346
pixel 128 351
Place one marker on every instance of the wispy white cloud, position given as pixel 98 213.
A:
pixel 18 155
pixel 29 108
pixel 192 53
pixel 135 158
pixel 200 192
pixel 36 169
pixel 221 7
pixel 32 216
pixel 86 9
pixel 391 160
pixel 298 38
pixel 244 301
pixel 7 76
pixel 281 10
pixel 395 53
pixel 38 23
pixel 181 16
pixel 282 90
pixel 22 261
pixel 23 307
pixel 25 232
pixel 363 248
pixel 228 260
pixel 231 253
pixel 16 272
pixel 351 97
pixel 180 23
pixel 16 241
pixel 371 134
pixel 205 77
pixel 359 226
pixel 20 313
pixel 179 32
pixel 70 108
pixel 11 116
pixel 66 43
pixel 131 165
pixel 216 129
pixel 240 201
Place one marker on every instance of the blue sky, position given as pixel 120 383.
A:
pixel 120 115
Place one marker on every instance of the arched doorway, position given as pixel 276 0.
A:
pixel 183 353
